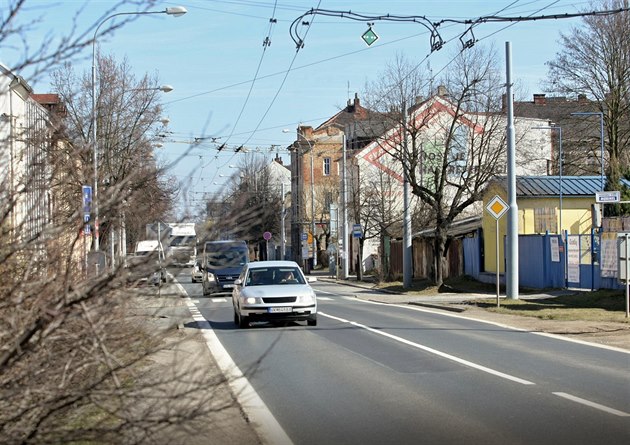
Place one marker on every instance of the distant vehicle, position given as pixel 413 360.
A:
pixel 183 244
pixel 273 291
pixel 196 272
pixel 150 254
pixel 222 263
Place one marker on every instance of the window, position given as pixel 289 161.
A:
pixel 545 220
pixel 326 166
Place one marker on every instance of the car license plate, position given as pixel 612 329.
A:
pixel 279 309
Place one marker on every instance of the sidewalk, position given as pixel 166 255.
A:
pixel 199 393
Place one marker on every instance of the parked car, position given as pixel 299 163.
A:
pixel 196 272
pixel 273 291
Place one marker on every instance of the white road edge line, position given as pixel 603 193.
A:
pixel 264 422
pixel 501 325
pixel 592 404
pixel 434 351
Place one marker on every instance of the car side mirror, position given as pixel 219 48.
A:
pixel 238 282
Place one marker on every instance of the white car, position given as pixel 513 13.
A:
pixel 273 291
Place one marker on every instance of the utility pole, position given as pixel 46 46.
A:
pixel 283 241
pixel 344 258
pixel 511 267
pixel 407 269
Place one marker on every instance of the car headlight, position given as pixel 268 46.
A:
pixel 306 299
pixel 252 300
pixel 210 276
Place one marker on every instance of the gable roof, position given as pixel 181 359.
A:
pixel 423 113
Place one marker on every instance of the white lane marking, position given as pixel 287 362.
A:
pixel 494 323
pixel 266 425
pixel 218 300
pixel 592 404
pixel 324 292
pixel 434 351
pixel 324 298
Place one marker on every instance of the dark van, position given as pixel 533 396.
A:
pixel 222 263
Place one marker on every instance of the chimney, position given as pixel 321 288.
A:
pixel 357 102
pixel 306 131
pixel 582 98
pixel 539 99
pixel 278 159
pixel 441 91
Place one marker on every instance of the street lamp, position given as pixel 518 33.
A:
pixel 601 136
pixel 312 197
pixel 559 129
pixel 175 11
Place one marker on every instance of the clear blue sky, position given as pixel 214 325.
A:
pixel 211 56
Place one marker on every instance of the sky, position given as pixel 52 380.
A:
pixel 230 88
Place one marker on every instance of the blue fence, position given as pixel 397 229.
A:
pixel 543 262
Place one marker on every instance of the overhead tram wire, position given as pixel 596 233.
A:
pixel 266 44
pixel 273 100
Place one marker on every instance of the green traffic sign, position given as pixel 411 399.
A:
pixel 369 37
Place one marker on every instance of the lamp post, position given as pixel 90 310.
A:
pixel 601 137
pixel 312 197
pixel 175 11
pixel 559 129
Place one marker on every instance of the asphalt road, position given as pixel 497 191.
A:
pixel 373 373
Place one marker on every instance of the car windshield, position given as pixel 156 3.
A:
pixel 265 276
pixel 227 258
pixel 183 241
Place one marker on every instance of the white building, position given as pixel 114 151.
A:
pixel 24 168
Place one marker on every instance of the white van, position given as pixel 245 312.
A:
pixel 152 248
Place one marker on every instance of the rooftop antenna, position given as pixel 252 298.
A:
pixel 348 90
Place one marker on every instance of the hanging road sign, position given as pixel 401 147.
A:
pixel 357 231
pixel 369 37
pixel 497 207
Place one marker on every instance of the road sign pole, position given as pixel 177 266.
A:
pixel 497 247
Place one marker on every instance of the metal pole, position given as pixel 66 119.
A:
pixel 313 212
pixel 497 251
pixel 511 270
pixel 95 142
pixel 560 160
pixel 407 269
pixel 344 257
pixel 601 137
pixel 283 241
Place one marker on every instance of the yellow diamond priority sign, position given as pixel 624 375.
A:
pixel 497 207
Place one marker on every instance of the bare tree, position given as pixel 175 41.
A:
pixel 128 112
pixel 594 61
pixel 448 146
pixel 74 361
pixel 252 203
pixel 373 203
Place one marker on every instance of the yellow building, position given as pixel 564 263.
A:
pixel 546 204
